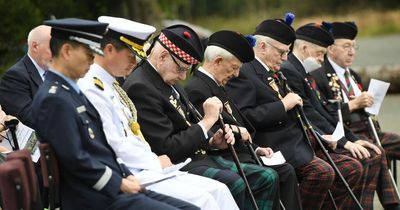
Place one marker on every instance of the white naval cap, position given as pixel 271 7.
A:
pixel 129 32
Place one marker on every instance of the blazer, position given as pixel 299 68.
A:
pixel 17 89
pixel 314 104
pixel 90 174
pixel 166 130
pixel 255 96
pixel 199 88
pixel 323 78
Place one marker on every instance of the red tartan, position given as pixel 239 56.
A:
pixel 315 179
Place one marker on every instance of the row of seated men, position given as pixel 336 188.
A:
pixel 109 139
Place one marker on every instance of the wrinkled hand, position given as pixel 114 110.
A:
pixel 329 140
pixel 367 144
pixel 164 161
pixel 264 151
pixel 130 185
pixel 362 101
pixel 291 100
pixel 245 135
pixel 221 141
pixel 357 150
pixel 212 108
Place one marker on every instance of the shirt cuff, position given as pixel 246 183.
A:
pixel 257 149
pixel 203 129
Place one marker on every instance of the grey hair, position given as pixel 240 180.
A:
pixel 261 38
pixel 214 51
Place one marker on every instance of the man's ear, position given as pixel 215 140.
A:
pixel 66 50
pixel 218 60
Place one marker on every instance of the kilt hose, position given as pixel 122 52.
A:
pixel 385 189
pixel 264 182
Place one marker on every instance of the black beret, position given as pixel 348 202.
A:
pixel 277 29
pixel 183 43
pixel 344 30
pixel 315 33
pixel 234 43
pixel 86 32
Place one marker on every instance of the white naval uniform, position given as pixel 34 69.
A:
pixel 137 155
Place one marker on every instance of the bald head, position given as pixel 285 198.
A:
pixel 39 45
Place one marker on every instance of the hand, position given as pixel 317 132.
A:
pixel 164 161
pixel 245 135
pixel 329 140
pixel 212 108
pixel 369 145
pixel 264 151
pixel 221 142
pixel 291 100
pixel 130 185
pixel 362 101
pixel 3 149
pixel 357 150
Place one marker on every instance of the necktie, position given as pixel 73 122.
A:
pixel 350 89
pixel 132 119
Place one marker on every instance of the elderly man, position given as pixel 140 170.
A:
pixel 20 83
pixel 91 176
pixel 336 80
pixel 224 55
pixel 119 115
pixel 171 125
pixel 308 52
pixel 260 95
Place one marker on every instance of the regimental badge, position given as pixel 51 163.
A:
pixel 53 89
pixel 274 86
pixel 98 83
pixel 91 133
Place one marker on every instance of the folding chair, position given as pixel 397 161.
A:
pixel 50 174
pixel 14 185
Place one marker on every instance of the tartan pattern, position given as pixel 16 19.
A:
pixel 180 53
pixel 352 171
pixel 350 89
pixel 264 182
pixel 315 179
pixel 367 185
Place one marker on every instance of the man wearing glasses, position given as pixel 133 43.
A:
pixel 172 126
pixel 260 96
pixel 336 80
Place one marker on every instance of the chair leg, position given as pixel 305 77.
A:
pixel 394 162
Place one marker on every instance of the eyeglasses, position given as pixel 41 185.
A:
pixel 281 52
pixel 181 69
pixel 348 47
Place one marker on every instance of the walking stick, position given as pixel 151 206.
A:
pixel 234 155
pixel 12 125
pixel 304 121
pixel 378 141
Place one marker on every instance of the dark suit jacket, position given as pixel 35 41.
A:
pixel 163 127
pixel 74 129
pixel 323 77
pixel 316 108
pixel 17 88
pixel 199 88
pixel 275 127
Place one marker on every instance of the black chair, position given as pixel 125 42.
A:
pixel 51 177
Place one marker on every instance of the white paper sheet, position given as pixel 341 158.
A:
pixel 378 90
pixel 276 159
pixel 27 139
pixel 338 133
pixel 176 167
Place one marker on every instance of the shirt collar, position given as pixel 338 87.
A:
pixel 40 70
pixel 71 82
pixel 102 74
pixel 202 70
pixel 338 69
pixel 262 63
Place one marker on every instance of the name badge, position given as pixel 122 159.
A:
pixel 81 109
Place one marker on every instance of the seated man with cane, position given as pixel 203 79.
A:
pixel 225 53
pixel 172 127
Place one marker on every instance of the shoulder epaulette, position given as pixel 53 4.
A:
pixel 98 83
